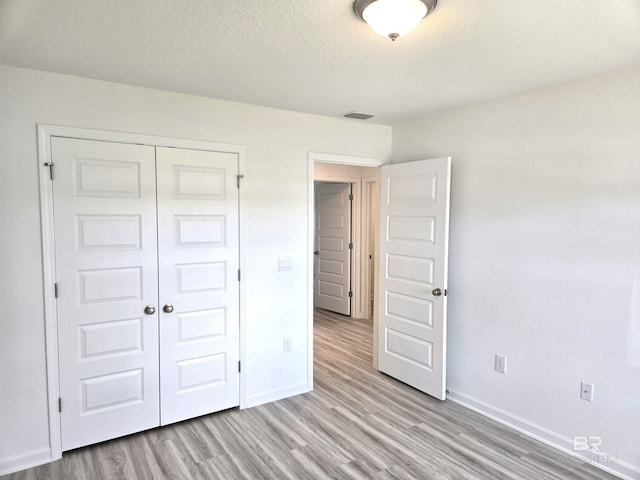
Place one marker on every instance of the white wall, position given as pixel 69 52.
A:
pixel 545 257
pixel 328 172
pixel 545 243
pixel 277 143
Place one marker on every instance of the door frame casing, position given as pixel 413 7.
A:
pixel 312 158
pixel 45 133
pixel 369 188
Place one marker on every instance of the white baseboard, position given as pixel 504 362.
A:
pixel 279 394
pixel 25 460
pixel 553 439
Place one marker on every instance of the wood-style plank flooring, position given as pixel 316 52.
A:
pixel 357 423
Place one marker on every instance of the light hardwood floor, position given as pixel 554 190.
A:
pixel 357 423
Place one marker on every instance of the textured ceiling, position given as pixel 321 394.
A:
pixel 317 56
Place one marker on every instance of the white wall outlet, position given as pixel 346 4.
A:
pixel 285 264
pixel 586 391
pixel 501 364
pixel 286 344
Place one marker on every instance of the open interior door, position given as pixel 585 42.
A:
pixel 412 273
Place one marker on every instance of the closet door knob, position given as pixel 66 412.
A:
pixel 168 308
pixel 436 292
pixel 149 309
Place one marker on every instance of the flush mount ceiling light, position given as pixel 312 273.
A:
pixel 393 18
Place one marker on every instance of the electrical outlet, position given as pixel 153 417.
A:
pixel 286 344
pixel 586 391
pixel 501 364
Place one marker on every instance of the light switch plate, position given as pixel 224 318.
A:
pixel 285 264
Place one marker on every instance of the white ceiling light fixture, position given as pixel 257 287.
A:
pixel 393 18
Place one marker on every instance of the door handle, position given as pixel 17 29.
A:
pixel 436 292
pixel 149 309
pixel 168 308
pixel 317 252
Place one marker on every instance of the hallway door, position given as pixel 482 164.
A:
pixel 332 272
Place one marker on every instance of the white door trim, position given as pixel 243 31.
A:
pixel 346 160
pixel 45 132
pixel 313 157
pixel 369 187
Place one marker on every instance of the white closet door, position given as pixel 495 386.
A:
pixel 412 273
pixel 106 257
pixel 199 289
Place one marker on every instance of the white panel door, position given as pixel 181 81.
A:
pixel 199 289
pixel 412 273
pixel 333 255
pixel 106 257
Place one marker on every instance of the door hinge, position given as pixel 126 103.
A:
pixel 238 178
pixel 50 165
pixel 59 405
pixel 445 292
pixel 350 246
pixel 239 366
pixel 350 294
pixel 351 196
pixel 239 275
pixel 55 290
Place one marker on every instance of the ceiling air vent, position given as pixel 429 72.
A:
pixel 358 115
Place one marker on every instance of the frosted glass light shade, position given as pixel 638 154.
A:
pixel 393 18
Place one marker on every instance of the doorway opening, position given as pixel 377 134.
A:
pixel 362 174
pixel 410 322
pixel 344 238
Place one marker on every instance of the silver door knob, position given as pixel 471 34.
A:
pixel 149 309
pixel 168 308
pixel 316 252
pixel 436 292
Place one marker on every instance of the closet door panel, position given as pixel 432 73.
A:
pixel 106 274
pixel 199 290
